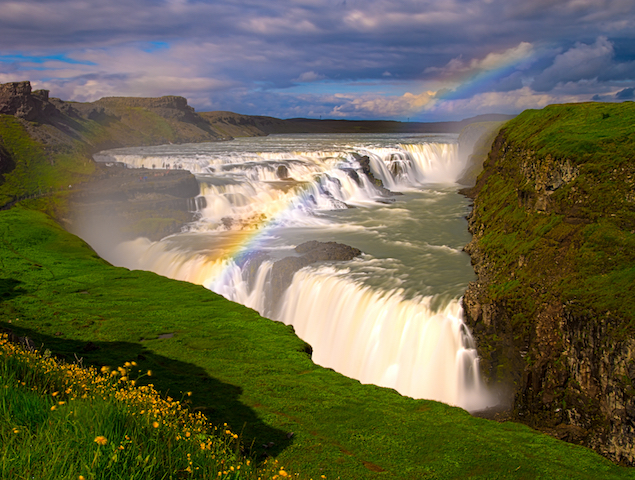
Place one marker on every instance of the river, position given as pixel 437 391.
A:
pixel 392 316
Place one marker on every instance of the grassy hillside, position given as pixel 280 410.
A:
pixel 246 371
pixel 554 249
pixel 573 239
pixel 36 169
pixel 253 373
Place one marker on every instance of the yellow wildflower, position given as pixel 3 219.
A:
pixel 149 373
pixel 282 473
pixel 101 440
pixel 155 424
pixel 81 477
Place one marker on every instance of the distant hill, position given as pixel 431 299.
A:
pixel 237 125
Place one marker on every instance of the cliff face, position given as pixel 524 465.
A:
pixel 18 99
pixel 553 246
pixel 45 151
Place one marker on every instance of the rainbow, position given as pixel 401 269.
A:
pixel 481 75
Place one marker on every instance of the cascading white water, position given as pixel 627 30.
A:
pixel 391 317
pixel 382 338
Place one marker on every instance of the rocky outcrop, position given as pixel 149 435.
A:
pixel 107 123
pixel 310 252
pixel 171 108
pixel 552 247
pixel 120 204
pixel 364 162
pixel 284 269
pixel 17 99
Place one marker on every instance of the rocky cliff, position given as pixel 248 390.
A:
pixel 553 246
pixel 46 146
pixel 18 99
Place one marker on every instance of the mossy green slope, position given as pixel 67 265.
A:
pixel 38 170
pixel 581 246
pixel 554 248
pixel 254 373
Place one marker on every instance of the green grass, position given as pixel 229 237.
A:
pixel 38 171
pixel 582 248
pixel 252 373
pixel 80 423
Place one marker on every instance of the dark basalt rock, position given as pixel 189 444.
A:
pixel 17 99
pixel 311 252
pixel 364 162
pixel 327 251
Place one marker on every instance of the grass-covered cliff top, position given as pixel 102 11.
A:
pixel 555 212
pixel 252 373
pixel 583 132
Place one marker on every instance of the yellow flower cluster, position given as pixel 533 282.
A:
pixel 166 417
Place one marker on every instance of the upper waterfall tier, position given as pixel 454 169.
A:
pixel 390 316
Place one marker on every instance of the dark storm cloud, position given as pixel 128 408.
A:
pixel 292 56
pixel 626 94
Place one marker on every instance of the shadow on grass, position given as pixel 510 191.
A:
pixel 9 288
pixel 218 401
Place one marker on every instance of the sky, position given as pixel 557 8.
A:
pixel 406 60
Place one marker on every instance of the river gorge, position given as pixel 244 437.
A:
pixel 389 314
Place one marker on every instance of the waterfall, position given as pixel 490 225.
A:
pixel 361 317
pixel 381 338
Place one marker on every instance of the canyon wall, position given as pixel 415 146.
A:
pixel 553 246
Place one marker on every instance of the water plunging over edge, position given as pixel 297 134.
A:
pixel 375 335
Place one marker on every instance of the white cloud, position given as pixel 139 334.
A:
pixel 512 102
pixel 510 56
pixel 243 53
pixel 378 106
pixel 310 77
pixel 492 61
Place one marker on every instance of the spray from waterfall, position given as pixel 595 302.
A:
pixel 254 206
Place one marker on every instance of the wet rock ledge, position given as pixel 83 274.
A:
pixel 121 203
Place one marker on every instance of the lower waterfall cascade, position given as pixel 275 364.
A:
pixel 391 316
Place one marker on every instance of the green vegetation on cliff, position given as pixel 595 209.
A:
pixel 554 248
pixel 253 373
pixel 37 170
pixel 558 210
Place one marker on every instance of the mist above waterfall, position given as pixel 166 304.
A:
pixel 392 316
